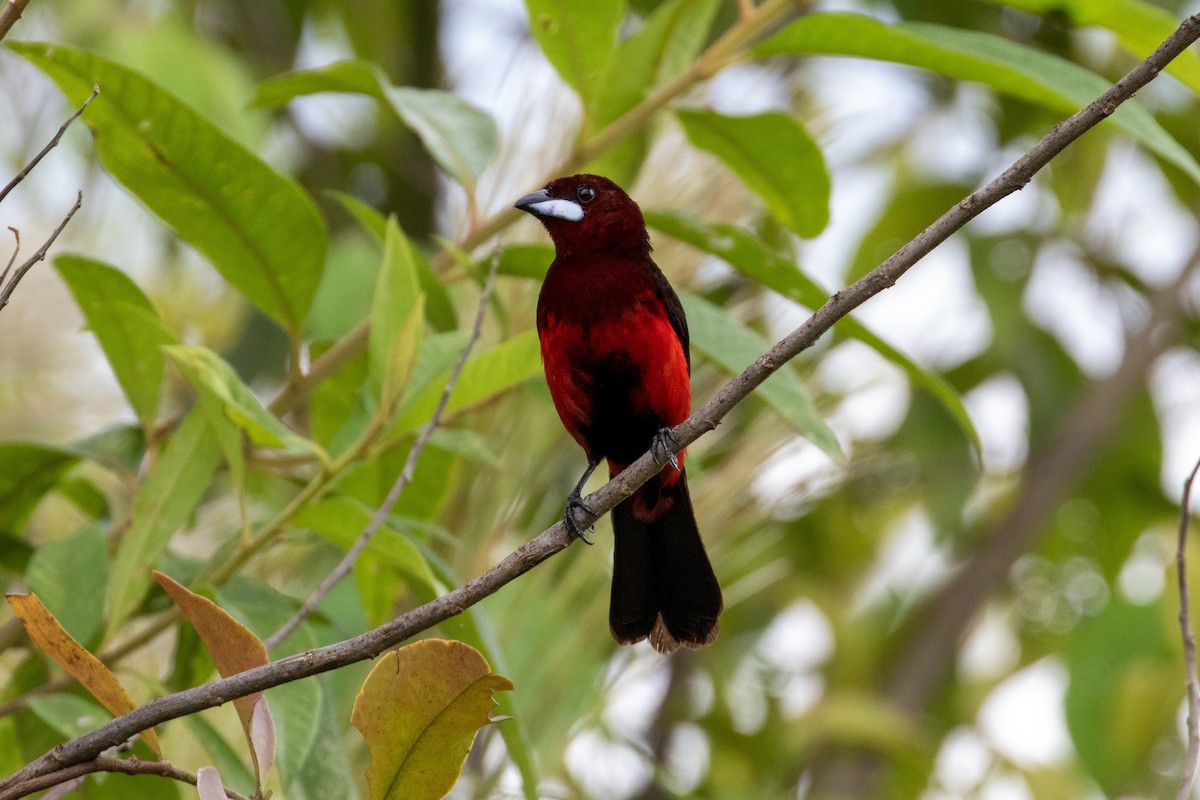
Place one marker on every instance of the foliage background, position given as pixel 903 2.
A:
pixel 839 669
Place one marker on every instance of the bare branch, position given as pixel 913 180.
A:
pixel 10 287
pixel 372 643
pixel 125 766
pixel 16 249
pixel 49 146
pixel 406 474
pixel 1189 642
pixel 10 14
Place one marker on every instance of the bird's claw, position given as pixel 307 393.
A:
pixel 661 451
pixel 574 501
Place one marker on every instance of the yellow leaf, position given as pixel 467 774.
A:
pixel 234 647
pixel 419 711
pixel 53 640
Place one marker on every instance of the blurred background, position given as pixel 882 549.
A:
pixel 919 619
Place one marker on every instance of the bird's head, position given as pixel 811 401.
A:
pixel 588 213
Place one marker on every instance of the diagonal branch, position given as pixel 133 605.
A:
pixel 10 14
pixel 33 162
pixel 12 259
pixel 553 540
pixel 406 475
pixel 124 766
pixel 8 288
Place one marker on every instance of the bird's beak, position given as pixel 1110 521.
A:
pixel 541 204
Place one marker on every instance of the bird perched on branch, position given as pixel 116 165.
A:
pixel 615 349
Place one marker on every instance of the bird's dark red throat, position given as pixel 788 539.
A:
pixel 615 350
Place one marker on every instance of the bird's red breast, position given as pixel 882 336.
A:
pixel 615 348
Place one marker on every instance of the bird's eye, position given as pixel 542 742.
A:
pixel 586 194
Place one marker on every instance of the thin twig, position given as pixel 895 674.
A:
pixel 10 14
pixel 125 766
pixel 556 538
pixel 405 477
pixel 10 287
pixel 49 146
pixel 1189 642
pixel 13 257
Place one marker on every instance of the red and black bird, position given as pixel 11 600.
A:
pixel 615 349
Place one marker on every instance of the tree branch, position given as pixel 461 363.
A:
pixel 11 286
pixel 125 766
pixel 11 259
pixel 406 474
pixel 10 14
pixel 1189 642
pixel 49 146
pixel 372 643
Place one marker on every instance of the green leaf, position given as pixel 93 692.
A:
pixel 126 325
pixel 342 519
pixel 758 261
pixel 1139 27
pixel 1123 656
pixel 526 260
pixel 579 39
pixel 68 714
pixel 172 490
pixel 484 376
pixel 734 347
pixel 296 707
pixel 365 215
pixel 27 472
pixel 419 711
pixel 258 228
pixel 396 292
pixel 438 305
pixel 84 495
pixel 402 356
pixel 774 156
pixel 437 357
pixel 69 575
pixel 211 374
pixel 119 448
pixel 325 773
pixel 342 405
pixel 11 756
pixel 461 138
pixel 663 48
pixel 465 442
pixel 1005 66
pixel 357 77
pixel 234 772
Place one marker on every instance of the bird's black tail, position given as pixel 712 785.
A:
pixel 663 585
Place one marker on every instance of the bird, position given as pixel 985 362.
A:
pixel 615 350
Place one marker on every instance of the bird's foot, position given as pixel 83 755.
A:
pixel 574 501
pixel 660 448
